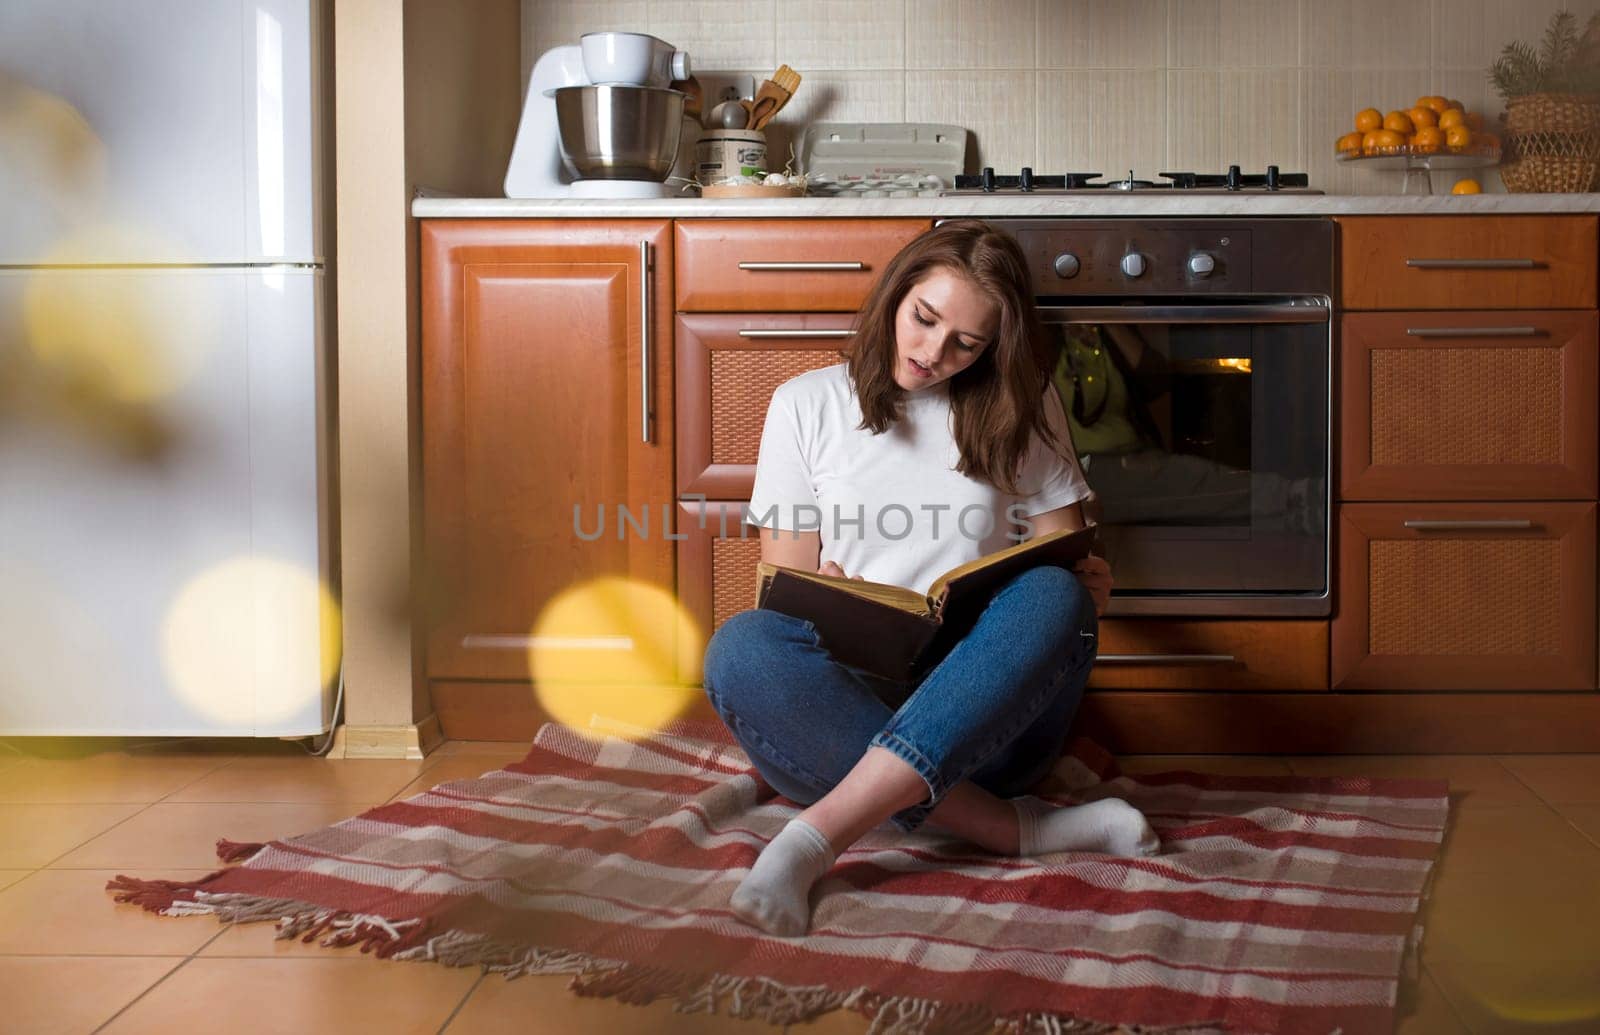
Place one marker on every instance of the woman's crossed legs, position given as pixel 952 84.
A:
pixel 984 725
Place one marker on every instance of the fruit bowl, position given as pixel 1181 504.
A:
pixel 1418 164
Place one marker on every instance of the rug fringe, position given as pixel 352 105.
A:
pixel 636 984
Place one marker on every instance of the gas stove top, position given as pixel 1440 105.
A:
pixel 1230 182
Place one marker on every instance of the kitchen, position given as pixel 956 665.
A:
pixel 1145 87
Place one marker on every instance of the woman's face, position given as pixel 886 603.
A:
pixel 941 328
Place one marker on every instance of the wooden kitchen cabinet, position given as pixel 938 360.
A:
pixel 1469 405
pixel 1202 654
pixel 728 366
pixel 1465 596
pixel 785 265
pixel 1467 262
pixel 546 384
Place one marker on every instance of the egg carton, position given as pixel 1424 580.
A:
pixel 881 159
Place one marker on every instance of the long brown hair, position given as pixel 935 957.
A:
pixel 997 402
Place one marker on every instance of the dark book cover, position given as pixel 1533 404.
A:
pixel 902 644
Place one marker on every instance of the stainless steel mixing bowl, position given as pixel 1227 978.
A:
pixel 619 132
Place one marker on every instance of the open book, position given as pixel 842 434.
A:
pixel 896 632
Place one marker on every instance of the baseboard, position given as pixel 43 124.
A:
pixel 415 741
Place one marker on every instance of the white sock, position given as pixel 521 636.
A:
pixel 1109 825
pixel 776 895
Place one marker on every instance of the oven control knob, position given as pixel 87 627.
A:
pixel 1133 264
pixel 1201 264
pixel 1067 265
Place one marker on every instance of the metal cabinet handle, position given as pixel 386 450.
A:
pixel 1473 332
pixel 810 266
pixel 1472 264
pixel 762 332
pixel 1165 659
pixel 644 338
pixel 1448 526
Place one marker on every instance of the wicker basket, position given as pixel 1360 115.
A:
pixel 1552 144
pixel 1553 113
pixel 1561 163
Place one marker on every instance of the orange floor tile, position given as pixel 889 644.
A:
pixel 1512 930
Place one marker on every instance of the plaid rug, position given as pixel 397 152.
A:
pixel 1278 904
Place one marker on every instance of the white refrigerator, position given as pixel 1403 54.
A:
pixel 166 522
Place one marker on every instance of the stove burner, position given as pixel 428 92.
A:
pixel 1027 182
pixel 1130 184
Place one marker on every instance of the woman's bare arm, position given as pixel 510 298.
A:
pixel 1070 516
pixel 792 550
pixel 1092 571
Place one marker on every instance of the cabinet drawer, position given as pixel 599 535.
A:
pixel 728 367
pixel 1465 596
pixel 788 265
pixel 1469 405
pixel 1161 654
pixel 1458 262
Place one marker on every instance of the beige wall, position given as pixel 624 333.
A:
pixel 426 92
pixel 1098 85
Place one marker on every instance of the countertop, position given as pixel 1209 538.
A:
pixel 1083 206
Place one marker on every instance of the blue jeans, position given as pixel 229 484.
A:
pixel 995 711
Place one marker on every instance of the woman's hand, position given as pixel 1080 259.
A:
pixel 1095 574
pixel 832 568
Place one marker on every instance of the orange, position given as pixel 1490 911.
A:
pixel 1467 185
pixel 1386 141
pixel 1486 141
pixel 1475 121
pixel 1423 116
pixel 1459 138
pixel 1453 103
pixel 1428 139
pixel 1433 101
pixel 1348 142
pixel 1452 117
pixel 1369 142
pixel 1369 119
pixel 1398 121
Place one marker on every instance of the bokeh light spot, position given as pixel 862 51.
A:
pixel 133 336
pixel 615 648
pixel 251 621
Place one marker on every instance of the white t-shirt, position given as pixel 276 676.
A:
pixel 892 507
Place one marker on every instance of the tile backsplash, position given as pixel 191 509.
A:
pixel 1097 85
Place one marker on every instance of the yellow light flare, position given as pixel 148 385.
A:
pixel 133 336
pixel 1548 995
pixel 52 151
pixel 615 648
pixel 246 625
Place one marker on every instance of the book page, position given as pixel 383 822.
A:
pixel 1045 544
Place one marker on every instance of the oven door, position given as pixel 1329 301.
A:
pixel 1204 432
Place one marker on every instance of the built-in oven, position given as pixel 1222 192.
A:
pixel 1193 358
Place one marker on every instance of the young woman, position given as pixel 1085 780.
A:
pixel 921 452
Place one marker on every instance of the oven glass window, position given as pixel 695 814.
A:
pixel 1207 446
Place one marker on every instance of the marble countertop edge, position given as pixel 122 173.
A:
pixel 435 207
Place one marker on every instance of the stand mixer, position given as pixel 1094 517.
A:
pixel 598 120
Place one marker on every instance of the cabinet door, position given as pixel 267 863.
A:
pixel 1467 262
pixel 1469 405
pixel 728 368
pixel 1465 596
pixel 717 560
pixel 547 406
